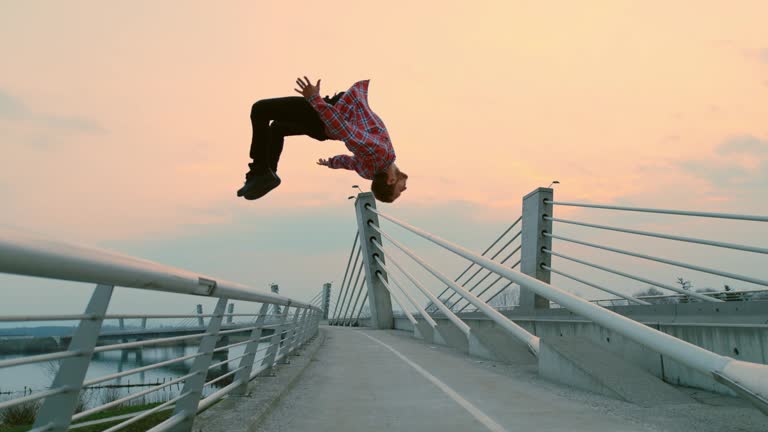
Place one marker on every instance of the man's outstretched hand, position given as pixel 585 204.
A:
pixel 307 89
pixel 323 162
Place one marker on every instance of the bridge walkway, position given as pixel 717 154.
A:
pixel 373 380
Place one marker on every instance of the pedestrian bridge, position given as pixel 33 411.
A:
pixel 447 361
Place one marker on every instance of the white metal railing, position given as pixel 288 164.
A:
pixel 267 337
pixel 747 379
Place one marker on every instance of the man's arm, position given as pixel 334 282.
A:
pixel 340 161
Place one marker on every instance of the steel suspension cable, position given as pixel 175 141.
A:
pixel 485 277
pixel 663 260
pixel 447 312
pixel 481 269
pixel 352 292
pixel 616 293
pixel 483 254
pixel 505 323
pixel 637 278
pixel 349 260
pixel 662 211
pixel 349 282
pixel 665 236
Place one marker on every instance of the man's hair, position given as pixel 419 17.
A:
pixel 381 190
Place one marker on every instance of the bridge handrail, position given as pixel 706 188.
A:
pixel 747 379
pixel 27 255
pixel 32 256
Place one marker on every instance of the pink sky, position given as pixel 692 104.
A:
pixel 129 121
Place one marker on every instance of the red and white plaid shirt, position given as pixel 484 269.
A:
pixel 352 121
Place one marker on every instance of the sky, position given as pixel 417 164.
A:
pixel 125 126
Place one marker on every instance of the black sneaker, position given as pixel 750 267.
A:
pixel 253 170
pixel 259 184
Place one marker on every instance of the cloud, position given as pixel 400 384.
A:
pixel 744 144
pixel 738 164
pixel 15 110
pixel 11 107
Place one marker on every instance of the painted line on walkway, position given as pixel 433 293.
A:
pixel 467 405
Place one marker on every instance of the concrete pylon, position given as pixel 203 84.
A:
pixel 326 299
pixel 533 241
pixel 378 296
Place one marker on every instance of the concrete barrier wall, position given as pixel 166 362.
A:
pixel 738 330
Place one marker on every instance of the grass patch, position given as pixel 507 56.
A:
pixel 139 426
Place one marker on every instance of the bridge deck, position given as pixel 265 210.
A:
pixel 385 380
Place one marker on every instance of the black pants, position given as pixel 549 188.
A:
pixel 289 116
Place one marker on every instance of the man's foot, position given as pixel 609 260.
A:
pixel 258 183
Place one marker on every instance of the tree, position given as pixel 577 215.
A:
pixel 684 283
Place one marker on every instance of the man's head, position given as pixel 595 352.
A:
pixel 389 184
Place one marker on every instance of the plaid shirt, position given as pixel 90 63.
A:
pixel 352 121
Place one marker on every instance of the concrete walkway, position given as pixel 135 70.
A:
pixel 386 380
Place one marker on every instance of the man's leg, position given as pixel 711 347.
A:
pixel 260 179
pixel 280 129
pixel 295 111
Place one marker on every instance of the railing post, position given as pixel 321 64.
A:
pixel 230 311
pixel 288 341
pixel 57 410
pixel 274 344
pixel 300 326
pixel 193 386
pixel 326 299
pixel 378 296
pixel 200 320
pixel 275 289
pixel 246 363
pixel 533 242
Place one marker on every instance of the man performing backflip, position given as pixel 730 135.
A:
pixel 345 117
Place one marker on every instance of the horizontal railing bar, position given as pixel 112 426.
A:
pixel 663 260
pixel 608 290
pixel 662 211
pixel 237 330
pixel 226 347
pixel 753 377
pixel 139 369
pixel 505 323
pixel 43 428
pixel 27 255
pixel 665 236
pixel 137 316
pixel 131 396
pixel 219 378
pixel 215 396
pixel 146 413
pixel 711 294
pixel 137 344
pixel 21 318
pixel 33 397
pixel 461 325
pixel 634 277
pixel 39 358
